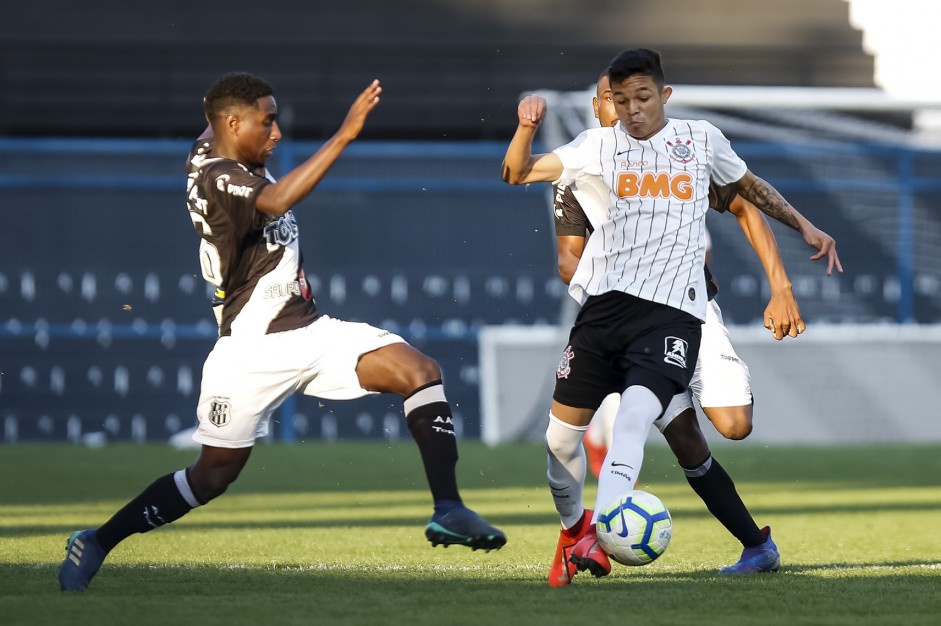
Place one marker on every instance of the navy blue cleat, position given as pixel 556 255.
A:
pixel 83 557
pixel 463 527
pixel 757 559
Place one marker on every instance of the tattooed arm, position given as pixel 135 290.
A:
pixel 760 193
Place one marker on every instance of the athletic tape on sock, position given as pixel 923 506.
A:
pixel 696 472
pixel 556 420
pixel 428 395
pixel 183 484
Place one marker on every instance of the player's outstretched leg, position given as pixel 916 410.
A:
pixel 400 368
pixel 757 559
pixel 463 527
pixel 83 558
pixel 563 569
pixel 587 554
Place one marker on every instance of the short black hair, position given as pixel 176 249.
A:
pixel 235 89
pixel 636 62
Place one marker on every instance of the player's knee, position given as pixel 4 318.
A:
pixel 561 447
pixel 209 484
pixel 738 431
pixel 733 423
pixel 422 371
pixel 429 369
pixel 686 440
pixel 210 488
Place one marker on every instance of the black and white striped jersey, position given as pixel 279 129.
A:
pixel 251 258
pixel 571 219
pixel 652 196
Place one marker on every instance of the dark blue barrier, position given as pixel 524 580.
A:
pixel 104 321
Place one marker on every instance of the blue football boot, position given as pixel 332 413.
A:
pixel 83 557
pixel 461 526
pixel 757 559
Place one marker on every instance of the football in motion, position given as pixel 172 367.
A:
pixel 635 528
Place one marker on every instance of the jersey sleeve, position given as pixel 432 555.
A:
pixel 721 196
pixel 579 156
pixel 232 191
pixel 568 215
pixel 727 166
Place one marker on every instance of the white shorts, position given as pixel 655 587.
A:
pixel 246 378
pixel 721 378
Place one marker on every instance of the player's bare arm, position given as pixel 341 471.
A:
pixel 782 315
pixel 278 198
pixel 520 165
pixel 772 203
pixel 569 248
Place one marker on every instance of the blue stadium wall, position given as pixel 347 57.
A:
pixel 104 319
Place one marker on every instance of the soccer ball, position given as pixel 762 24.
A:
pixel 635 528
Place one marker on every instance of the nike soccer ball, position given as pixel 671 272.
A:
pixel 635 528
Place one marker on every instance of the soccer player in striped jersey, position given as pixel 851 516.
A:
pixel 720 381
pixel 273 339
pixel 644 291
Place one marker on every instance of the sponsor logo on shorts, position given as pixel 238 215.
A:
pixel 220 412
pixel 729 357
pixel 565 363
pixel 674 351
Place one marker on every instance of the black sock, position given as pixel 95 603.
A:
pixel 429 419
pixel 717 490
pixel 160 503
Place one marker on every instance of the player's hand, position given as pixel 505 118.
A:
pixel 361 108
pixel 825 245
pixel 783 316
pixel 531 111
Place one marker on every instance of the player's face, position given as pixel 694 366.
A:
pixel 604 104
pixel 639 102
pixel 258 131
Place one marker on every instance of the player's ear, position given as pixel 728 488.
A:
pixel 666 93
pixel 232 123
pixel 594 106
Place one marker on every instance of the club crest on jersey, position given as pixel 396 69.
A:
pixel 565 363
pixel 681 150
pixel 220 411
pixel 674 351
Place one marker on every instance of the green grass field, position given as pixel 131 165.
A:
pixel 332 534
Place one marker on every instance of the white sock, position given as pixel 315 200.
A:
pixel 566 468
pixel 605 416
pixel 639 408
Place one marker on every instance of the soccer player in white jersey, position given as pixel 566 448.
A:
pixel 721 380
pixel 638 332
pixel 273 340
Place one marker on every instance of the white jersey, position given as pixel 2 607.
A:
pixel 650 240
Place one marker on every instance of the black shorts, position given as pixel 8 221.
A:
pixel 619 340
